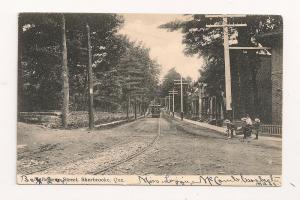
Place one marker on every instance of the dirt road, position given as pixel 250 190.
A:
pixel 180 148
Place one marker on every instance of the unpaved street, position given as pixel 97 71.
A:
pixel 179 148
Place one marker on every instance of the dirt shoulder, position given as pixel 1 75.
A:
pixel 42 148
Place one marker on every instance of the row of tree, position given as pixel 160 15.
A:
pixel 53 58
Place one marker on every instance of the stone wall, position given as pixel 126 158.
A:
pixel 49 119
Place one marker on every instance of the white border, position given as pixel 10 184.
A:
pixel 8 78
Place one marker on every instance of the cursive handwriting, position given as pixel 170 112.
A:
pixel 208 180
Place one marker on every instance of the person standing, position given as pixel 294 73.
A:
pixel 256 126
pixel 230 128
pixel 247 126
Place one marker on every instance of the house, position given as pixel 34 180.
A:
pixel 274 66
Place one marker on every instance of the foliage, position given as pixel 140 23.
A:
pixel 168 81
pixel 39 61
pixel 168 85
pixel 40 82
pixel 208 43
pixel 139 73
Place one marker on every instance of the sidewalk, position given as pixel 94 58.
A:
pixel 222 130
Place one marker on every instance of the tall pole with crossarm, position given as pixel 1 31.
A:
pixel 169 103
pixel 181 99
pixel 166 103
pixel 225 26
pixel 173 92
pixel 181 83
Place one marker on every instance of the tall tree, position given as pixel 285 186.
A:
pixel 168 85
pixel 139 73
pixel 168 81
pixel 116 61
pixel 90 79
pixel 41 61
pixel 65 75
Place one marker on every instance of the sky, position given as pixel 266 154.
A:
pixel 165 47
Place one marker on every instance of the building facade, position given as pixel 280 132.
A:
pixel 259 95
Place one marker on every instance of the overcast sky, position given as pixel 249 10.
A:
pixel 166 47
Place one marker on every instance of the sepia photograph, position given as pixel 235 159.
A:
pixel 149 99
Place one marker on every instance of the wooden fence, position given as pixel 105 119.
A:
pixel 271 129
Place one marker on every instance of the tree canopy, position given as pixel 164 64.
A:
pixel 168 81
pixel 40 82
pixel 208 43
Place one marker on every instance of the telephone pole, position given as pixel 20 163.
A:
pixel 225 26
pixel 169 103
pixel 181 99
pixel 135 108
pixel 90 78
pixel 181 83
pixel 173 92
pixel 166 102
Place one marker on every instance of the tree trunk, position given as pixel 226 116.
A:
pixel 90 78
pixel 127 107
pixel 135 108
pixel 20 71
pixel 65 76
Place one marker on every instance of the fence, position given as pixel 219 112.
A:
pixel 271 129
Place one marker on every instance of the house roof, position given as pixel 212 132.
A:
pixel 275 33
pixel 271 38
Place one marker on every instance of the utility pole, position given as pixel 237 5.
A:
pixel 90 78
pixel 225 26
pixel 135 108
pixel 127 108
pixel 181 83
pixel 173 92
pixel 65 75
pixel 181 99
pixel 169 103
pixel 173 104
pixel 166 102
